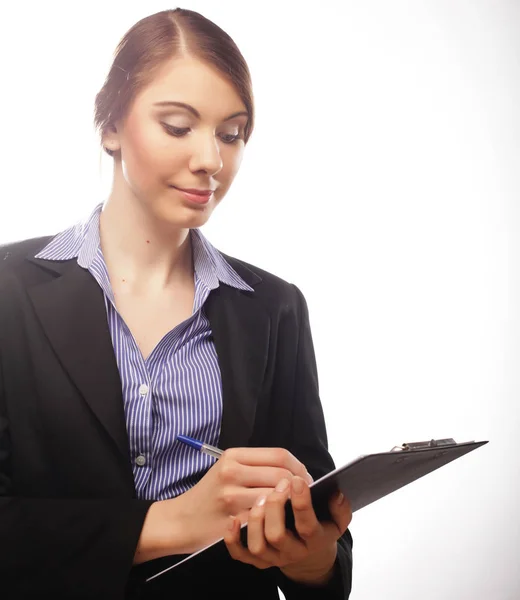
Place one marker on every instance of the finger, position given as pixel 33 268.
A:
pixel 238 500
pixel 307 525
pixel 237 550
pixel 256 542
pixel 232 533
pixel 276 534
pixel 341 512
pixel 235 473
pixel 271 457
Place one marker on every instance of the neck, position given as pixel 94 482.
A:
pixel 140 249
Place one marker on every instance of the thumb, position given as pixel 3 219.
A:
pixel 341 511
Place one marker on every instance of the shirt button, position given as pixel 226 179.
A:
pixel 143 389
pixel 140 461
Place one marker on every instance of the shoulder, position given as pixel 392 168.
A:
pixel 13 259
pixel 14 253
pixel 270 289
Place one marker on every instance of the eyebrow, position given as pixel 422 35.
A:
pixel 195 112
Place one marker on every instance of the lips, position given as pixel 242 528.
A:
pixel 199 197
pixel 194 191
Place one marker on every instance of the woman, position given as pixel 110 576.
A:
pixel 129 329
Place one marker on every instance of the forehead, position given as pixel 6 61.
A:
pixel 193 82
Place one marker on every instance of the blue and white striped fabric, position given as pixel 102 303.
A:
pixel 178 388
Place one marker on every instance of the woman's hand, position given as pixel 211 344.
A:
pixel 308 557
pixel 230 487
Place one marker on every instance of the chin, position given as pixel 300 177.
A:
pixel 185 217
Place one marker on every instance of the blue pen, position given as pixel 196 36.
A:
pixel 201 446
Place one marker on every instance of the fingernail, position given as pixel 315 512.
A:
pixel 297 485
pixel 282 485
pixel 309 478
pixel 341 498
pixel 231 523
pixel 260 501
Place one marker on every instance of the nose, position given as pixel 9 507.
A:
pixel 206 155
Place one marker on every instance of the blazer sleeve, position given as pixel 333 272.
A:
pixel 72 548
pixel 309 444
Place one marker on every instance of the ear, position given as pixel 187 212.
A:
pixel 110 139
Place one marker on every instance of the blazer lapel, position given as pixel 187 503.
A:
pixel 72 312
pixel 240 327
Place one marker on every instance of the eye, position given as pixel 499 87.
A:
pixel 229 138
pixel 175 131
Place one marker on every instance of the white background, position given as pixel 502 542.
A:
pixel 382 179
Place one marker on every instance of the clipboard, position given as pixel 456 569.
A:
pixel 370 477
pixel 364 480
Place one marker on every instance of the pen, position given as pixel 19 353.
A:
pixel 200 446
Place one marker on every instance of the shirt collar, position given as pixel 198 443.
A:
pixel 82 241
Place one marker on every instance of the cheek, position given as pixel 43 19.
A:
pixel 231 163
pixel 149 156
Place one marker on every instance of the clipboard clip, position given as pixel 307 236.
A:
pixel 407 447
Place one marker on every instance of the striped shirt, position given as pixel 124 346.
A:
pixel 178 388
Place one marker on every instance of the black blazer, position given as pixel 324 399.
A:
pixel 69 517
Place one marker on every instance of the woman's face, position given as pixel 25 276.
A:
pixel 164 146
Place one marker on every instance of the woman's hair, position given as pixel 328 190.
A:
pixel 152 41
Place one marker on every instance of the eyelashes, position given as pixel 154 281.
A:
pixel 227 138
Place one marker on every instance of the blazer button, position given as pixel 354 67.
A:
pixel 140 461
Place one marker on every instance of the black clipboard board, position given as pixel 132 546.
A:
pixel 363 481
pixel 370 477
